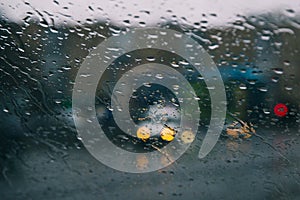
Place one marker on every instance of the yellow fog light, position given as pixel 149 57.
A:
pixel 143 133
pixel 167 134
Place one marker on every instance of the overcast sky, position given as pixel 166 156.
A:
pixel 117 11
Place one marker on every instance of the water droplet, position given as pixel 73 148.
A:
pixel 200 77
pixel 85 75
pixel 22 50
pixel 252 82
pixel 213 46
pixel 286 63
pixel 266 111
pixel 160 193
pixel 288 88
pixel 275 79
pixel 278 70
pixel 142 24
pixel 115 31
pixel 174 64
pixel 178 35
pixel 243 87
pixel 159 76
pixel 150 58
pixel 126 22
pixel 147 85
pixel 56 2
pixel 183 62
pixel 197 98
pixel 176 87
pixel 263 89
pixel 290 13
pixel 265 37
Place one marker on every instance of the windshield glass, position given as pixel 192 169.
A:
pixel 156 100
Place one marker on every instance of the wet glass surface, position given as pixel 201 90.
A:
pixel 255 46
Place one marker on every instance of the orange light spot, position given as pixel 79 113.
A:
pixel 187 137
pixel 143 133
pixel 167 134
